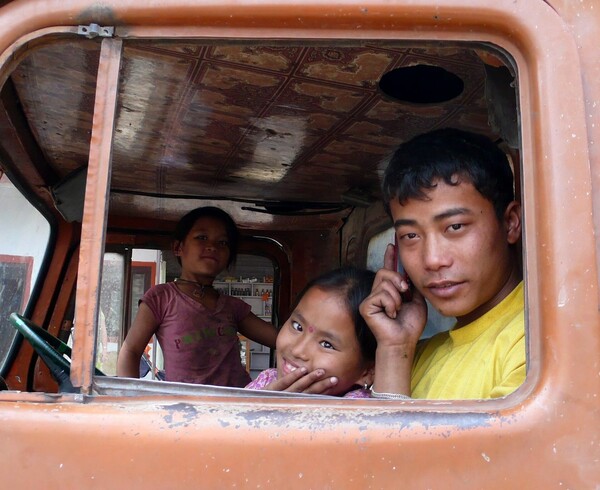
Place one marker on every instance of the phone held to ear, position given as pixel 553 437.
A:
pixel 407 295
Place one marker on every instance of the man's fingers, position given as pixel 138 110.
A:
pixel 387 295
pixel 385 275
pixel 377 302
pixel 389 258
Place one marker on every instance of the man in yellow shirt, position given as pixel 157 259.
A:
pixel 451 197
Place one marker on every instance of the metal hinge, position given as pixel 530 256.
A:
pixel 94 30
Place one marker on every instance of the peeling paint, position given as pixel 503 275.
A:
pixel 562 297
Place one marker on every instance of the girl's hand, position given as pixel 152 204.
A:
pixel 301 381
pixel 393 321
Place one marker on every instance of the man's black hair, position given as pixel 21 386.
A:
pixel 449 155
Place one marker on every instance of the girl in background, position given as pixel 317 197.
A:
pixel 197 327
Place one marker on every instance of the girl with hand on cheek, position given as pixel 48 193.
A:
pixel 325 347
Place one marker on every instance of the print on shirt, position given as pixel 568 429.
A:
pixel 205 333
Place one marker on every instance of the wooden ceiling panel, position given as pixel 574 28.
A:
pixel 241 121
pixel 56 86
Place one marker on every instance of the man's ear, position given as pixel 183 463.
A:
pixel 512 222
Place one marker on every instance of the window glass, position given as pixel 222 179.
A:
pixel 24 235
pixel 110 314
pixel 148 268
pixel 376 248
pixel 252 280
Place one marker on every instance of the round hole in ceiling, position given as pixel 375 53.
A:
pixel 421 84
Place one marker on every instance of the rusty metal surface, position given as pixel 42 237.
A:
pixel 118 387
pixel 312 444
pixel 551 421
pixel 93 229
pixel 583 20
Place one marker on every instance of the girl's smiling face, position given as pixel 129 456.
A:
pixel 320 335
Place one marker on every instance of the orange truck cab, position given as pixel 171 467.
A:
pixel 117 117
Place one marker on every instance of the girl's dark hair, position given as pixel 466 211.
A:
pixel 446 154
pixel 353 285
pixel 187 222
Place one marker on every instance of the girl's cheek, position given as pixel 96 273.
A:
pixel 281 340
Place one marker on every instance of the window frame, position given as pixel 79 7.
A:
pixel 100 167
pixel 316 442
pixel 34 285
pixel 539 103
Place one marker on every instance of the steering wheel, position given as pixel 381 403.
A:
pixel 50 349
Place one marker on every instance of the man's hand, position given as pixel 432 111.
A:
pixel 393 321
pixel 397 326
pixel 301 381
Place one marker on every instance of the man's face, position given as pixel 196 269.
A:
pixel 455 250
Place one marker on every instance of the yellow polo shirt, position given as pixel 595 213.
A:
pixel 484 359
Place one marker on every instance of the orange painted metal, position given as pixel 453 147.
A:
pixel 23 46
pixel 94 216
pixel 67 288
pixel 583 20
pixel 545 435
pixel 42 380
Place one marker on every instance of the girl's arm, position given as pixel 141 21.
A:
pixel 258 330
pixel 144 326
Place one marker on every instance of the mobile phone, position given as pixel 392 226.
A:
pixel 408 294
